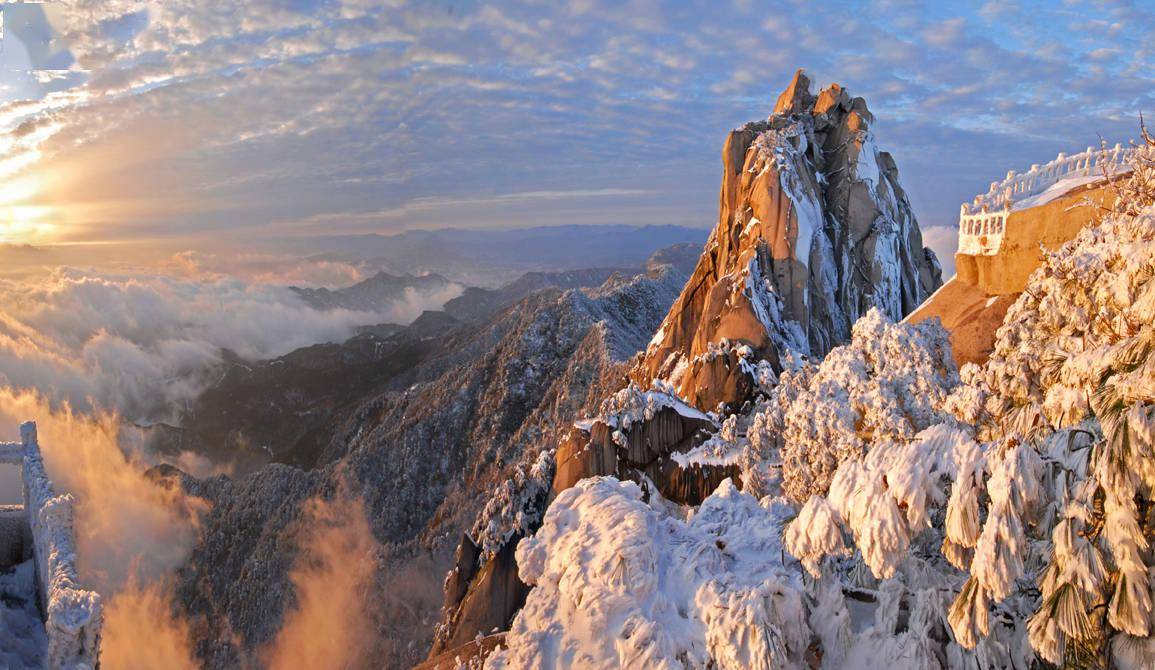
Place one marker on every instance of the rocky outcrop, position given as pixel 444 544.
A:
pixel 494 595
pixel 641 453
pixel 813 230
pixel 970 316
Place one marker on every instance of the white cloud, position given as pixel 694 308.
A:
pixel 241 115
pixel 943 241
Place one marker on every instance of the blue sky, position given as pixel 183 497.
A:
pixel 205 122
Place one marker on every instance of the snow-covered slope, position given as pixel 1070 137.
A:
pixel 422 447
pixel 908 515
pixel 621 583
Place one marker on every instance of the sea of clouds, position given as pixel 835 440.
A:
pixel 144 345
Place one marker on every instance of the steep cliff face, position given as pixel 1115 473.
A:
pixel 813 230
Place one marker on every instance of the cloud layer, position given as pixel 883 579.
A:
pixel 196 119
pixel 144 345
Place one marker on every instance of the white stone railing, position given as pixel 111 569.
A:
pixel 983 221
pixel 981 234
pixel 73 614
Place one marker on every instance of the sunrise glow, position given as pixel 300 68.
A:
pixel 22 219
pixel 581 335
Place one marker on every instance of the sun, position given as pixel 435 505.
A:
pixel 25 224
pixel 22 219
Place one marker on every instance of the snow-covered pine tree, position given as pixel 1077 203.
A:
pixel 1040 489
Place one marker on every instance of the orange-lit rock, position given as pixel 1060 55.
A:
pixel 813 229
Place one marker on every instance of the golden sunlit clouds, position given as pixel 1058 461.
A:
pixel 114 186
pixel 87 193
pixel 18 190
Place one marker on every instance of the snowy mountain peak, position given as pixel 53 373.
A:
pixel 813 230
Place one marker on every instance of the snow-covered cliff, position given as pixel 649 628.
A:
pixel 813 230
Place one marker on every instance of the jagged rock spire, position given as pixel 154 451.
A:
pixel 797 97
pixel 813 230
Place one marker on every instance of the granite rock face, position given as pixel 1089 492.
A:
pixel 813 230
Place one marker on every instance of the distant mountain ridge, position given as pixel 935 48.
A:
pixel 496 257
pixel 379 293
pixel 477 303
pixel 382 293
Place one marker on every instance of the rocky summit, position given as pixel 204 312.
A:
pixel 813 230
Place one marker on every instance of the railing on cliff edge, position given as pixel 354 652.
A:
pixel 73 615
pixel 983 221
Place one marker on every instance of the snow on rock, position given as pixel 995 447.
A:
pixel 619 583
pixel 722 448
pixel 632 405
pixel 814 229
pixel 515 507
pixel 768 306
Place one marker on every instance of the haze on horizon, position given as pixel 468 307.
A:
pixel 190 125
